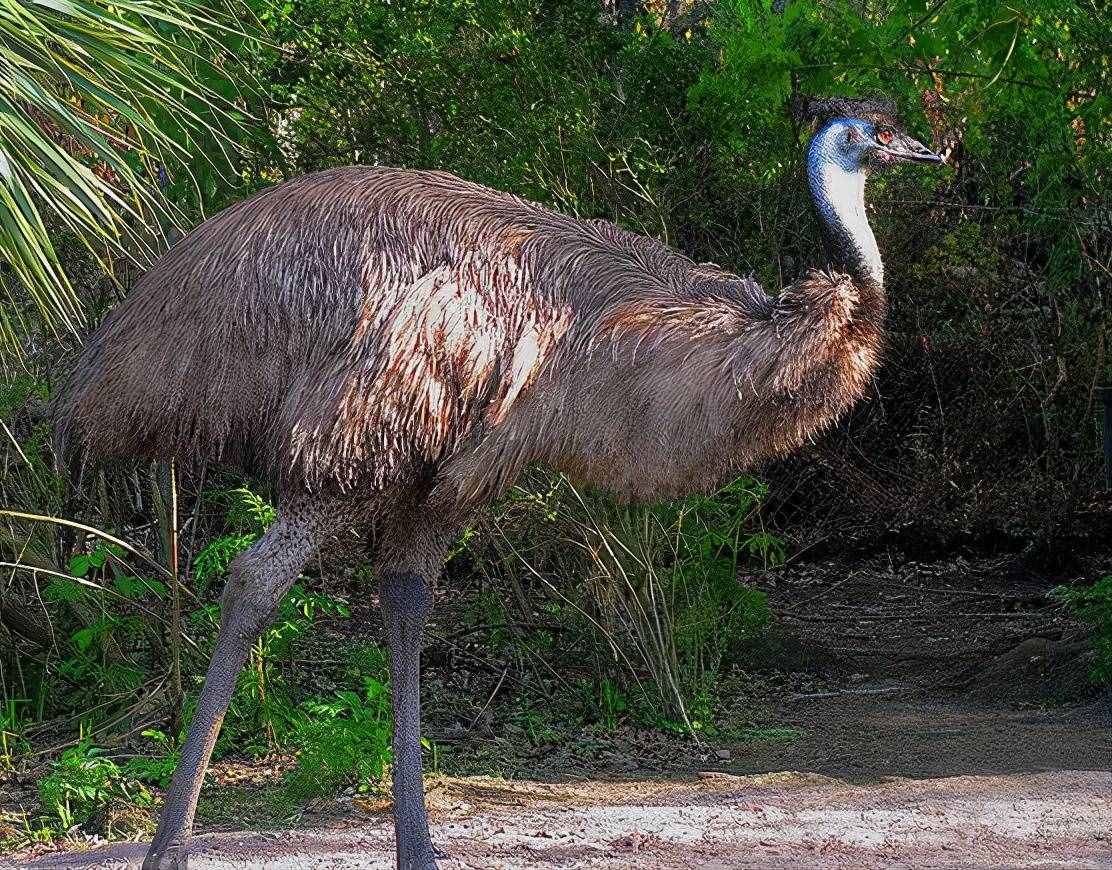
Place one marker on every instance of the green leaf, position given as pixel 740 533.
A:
pixel 84 638
pixel 93 98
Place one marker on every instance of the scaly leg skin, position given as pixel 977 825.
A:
pixel 257 580
pixel 409 555
pixel 406 601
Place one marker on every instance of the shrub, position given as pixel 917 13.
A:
pixel 158 767
pixel 344 741
pixel 656 589
pixel 1093 605
pixel 84 782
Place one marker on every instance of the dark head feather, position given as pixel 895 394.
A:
pixel 818 110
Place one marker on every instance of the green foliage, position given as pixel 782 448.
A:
pixel 83 782
pixel 246 509
pixel 17 391
pixel 535 721
pixel 613 705
pixel 1093 605
pixel 97 608
pixel 247 515
pixel 343 741
pixel 368 661
pixel 96 101
pixel 12 725
pixel 212 562
pixel 298 611
pixel 158 767
pixel 657 587
pixel 29 477
pixel 678 134
pixel 264 714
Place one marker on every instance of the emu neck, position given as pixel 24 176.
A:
pixel 839 197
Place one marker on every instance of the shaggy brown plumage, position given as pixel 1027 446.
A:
pixel 356 328
pixel 401 344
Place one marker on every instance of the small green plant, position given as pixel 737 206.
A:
pixel 12 724
pixel 83 782
pixel 212 561
pixel 1093 605
pixel 158 767
pixel 613 704
pixel 343 741
pixel 248 515
pixel 536 722
pixel 264 714
pixel 248 510
pixel 22 830
pixel 100 604
pixel 264 710
pixel 368 660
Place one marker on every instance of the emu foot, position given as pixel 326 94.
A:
pixel 173 858
pixel 417 855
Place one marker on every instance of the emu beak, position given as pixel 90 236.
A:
pixel 912 150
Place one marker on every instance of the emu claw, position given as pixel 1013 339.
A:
pixel 171 859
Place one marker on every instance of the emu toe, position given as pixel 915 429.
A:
pixel 174 858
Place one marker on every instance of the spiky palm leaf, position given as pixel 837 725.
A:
pixel 96 101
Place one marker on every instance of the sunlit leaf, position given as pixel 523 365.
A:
pixel 98 103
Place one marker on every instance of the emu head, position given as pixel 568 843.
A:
pixel 859 135
pixel 854 137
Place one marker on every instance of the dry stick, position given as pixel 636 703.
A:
pixel 175 608
pixel 475 629
pixel 494 692
pixel 260 668
pixel 795 605
pixel 20 515
pixel 99 729
pixel 888 690
pixel 1026 614
pixel 940 590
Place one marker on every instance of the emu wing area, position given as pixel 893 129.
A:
pixel 357 326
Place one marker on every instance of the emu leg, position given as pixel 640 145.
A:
pixel 406 601
pixel 257 580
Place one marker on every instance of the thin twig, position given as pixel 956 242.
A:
pixel 20 515
pixel 175 606
pixel 494 692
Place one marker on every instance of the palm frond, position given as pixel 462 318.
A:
pixel 98 103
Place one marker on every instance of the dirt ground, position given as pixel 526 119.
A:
pixel 950 729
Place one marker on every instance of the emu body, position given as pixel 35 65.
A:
pixel 396 346
pixel 351 330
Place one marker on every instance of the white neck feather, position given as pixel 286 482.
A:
pixel 838 188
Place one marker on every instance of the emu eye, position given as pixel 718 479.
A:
pixel 884 136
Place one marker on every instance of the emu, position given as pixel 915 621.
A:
pixel 390 348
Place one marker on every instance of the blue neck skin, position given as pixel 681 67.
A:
pixel 837 182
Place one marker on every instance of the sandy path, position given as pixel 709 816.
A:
pixel 1058 819
pixel 901 773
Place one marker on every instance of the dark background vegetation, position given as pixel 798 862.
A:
pixel 981 437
